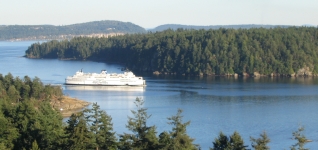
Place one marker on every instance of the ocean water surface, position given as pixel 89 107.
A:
pixel 212 104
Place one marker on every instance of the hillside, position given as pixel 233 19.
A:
pixel 48 32
pixel 247 26
pixel 257 51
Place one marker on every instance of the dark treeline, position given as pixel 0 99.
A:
pixel 8 32
pixel 278 51
pixel 17 90
pixel 28 121
pixel 195 27
pixel 26 116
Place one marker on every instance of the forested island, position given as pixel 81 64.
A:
pixel 49 32
pixel 28 120
pixel 240 26
pixel 249 52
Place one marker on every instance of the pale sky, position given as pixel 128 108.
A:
pixel 152 13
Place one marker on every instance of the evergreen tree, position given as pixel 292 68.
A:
pixel 78 135
pixel 31 123
pixel 165 140
pixel 51 135
pixel 300 138
pixel 260 143
pixel 102 129
pixel 144 136
pixel 221 143
pixel 26 120
pixel 8 132
pixel 13 94
pixel 237 142
pixel 125 141
pixel 179 137
pixel 197 52
pixel 35 146
pixel 234 142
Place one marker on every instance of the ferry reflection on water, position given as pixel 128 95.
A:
pixel 105 88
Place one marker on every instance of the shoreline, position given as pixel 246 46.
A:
pixel 68 105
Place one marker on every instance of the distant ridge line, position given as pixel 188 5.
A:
pixel 197 27
pixel 49 32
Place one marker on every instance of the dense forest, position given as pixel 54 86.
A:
pixel 243 26
pixel 42 32
pixel 257 51
pixel 28 121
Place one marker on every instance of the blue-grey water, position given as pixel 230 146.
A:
pixel 212 104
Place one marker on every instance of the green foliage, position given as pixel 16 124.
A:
pixel 22 124
pixel 13 94
pixel 180 27
pixel 78 134
pixel 221 143
pixel 178 136
pixel 27 123
pixel 16 90
pixel 282 51
pixel 234 142
pixel 102 129
pixel 25 117
pixel 8 133
pixel 260 143
pixel 51 132
pixel 144 136
pixel 165 141
pixel 90 129
pixel 300 138
pixel 125 141
pixel 237 142
pixel 35 146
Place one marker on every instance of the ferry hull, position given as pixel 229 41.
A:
pixel 106 88
pixel 106 83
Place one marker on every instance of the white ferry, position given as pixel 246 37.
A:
pixel 105 88
pixel 123 79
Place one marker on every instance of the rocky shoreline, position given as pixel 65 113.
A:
pixel 302 72
pixel 68 105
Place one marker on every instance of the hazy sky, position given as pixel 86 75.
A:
pixel 152 13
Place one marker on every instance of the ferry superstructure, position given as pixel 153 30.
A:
pixel 105 88
pixel 104 79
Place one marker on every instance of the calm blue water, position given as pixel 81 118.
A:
pixel 212 104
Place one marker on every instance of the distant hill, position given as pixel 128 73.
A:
pixel 255 52
pixel 45 32
pixel 248 26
